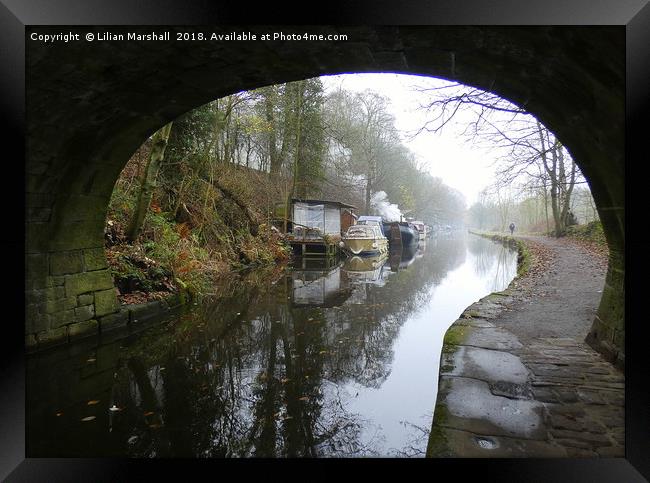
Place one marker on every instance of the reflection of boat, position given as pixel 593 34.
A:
pixel 401 233
pixel 408 256
pixel 401 259
pixel 366 237
pixel 365 269
pixel 422 247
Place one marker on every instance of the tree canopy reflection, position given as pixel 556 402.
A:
pixel 263 370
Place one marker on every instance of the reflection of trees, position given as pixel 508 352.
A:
pixel 255 390
pixel 483 253
pixel 506 267
pixel 492 257
pixel 248 374
pixel 375 319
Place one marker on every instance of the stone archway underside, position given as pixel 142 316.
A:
pixel 91 104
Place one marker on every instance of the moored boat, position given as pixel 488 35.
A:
pixel 421 229
pixel 401 234
pixel 365 238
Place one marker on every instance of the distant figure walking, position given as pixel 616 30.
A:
pixel 512 228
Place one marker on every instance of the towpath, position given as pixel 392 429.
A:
pixel 517 378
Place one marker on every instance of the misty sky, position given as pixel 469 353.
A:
pixel 447 155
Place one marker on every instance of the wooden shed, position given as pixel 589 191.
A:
pixel 316 225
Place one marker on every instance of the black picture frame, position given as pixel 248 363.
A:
pixel 15 15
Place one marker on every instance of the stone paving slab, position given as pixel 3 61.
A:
pixel 493 338
pixel 506 392
pixel 471 406
pixel 486 365
pixel 470 445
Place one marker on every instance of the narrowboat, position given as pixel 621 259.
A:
pixel 401 234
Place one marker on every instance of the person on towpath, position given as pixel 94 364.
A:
pixel 512 228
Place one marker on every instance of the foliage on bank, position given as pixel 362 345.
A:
pixel 200 197
pixel 207 237
pixel 590 232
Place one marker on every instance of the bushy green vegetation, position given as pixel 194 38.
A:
pixel 590 232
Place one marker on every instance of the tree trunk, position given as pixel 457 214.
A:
pixel 368 193
pixel 148 184
pixel 555 196
pixel 295 190
pixel 552 172
pixel 548 227
pixel 567 190
pixel 299 187
pixel 275 161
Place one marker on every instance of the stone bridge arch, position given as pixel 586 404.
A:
pixel 91 104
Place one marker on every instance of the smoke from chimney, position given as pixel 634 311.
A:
pixel 388 211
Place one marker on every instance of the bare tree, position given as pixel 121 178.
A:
pixel 532 157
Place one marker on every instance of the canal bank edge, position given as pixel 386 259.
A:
pixel 126 316
pixel 505 391
pixel 472 318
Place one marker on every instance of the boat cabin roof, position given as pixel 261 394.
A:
pixel 370 218
pixel 337 204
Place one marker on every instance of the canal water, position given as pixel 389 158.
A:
pixel 326 359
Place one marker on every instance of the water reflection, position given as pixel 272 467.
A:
pixel 278 365
pixel 320 288
pixel 366 269
pixel 494 260
pixel 401 259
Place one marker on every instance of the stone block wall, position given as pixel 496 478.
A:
pixel 607 334
pixel 67 295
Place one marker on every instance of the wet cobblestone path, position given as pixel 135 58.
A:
pixel 517 378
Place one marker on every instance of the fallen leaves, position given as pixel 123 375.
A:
pixel 93 402
pixel 599 250
pixel 143 297
pixel 88 418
